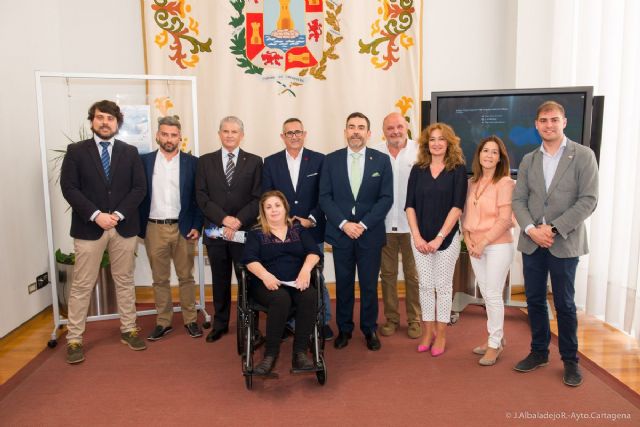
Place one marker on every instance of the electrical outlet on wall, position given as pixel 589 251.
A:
pixel 42 280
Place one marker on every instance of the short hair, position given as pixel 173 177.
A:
pixel 292 120
pixel 502 168
pixel 108 107
pixel 262 217
pixel 169 121
pixel 549 106
pixel 231 119
pixel 359 115
pixel 453 156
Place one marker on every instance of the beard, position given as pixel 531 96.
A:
pixel 167 147
pixel 104 132
pixel 356 141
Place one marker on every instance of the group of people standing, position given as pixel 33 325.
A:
pixel 401 198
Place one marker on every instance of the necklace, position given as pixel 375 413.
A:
pixel 478 194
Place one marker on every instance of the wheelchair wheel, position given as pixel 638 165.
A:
pixel 322 374
pixel 248 381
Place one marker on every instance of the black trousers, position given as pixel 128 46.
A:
pixel 222 256
pixel 279 304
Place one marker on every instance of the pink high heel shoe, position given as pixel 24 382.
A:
pixel 435 352
pixel 425 348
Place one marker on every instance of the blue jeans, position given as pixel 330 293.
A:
pixel 536 268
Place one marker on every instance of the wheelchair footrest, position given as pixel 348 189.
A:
pixel 269 376
pixel 306 371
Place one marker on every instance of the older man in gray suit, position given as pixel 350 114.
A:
pixel 557 190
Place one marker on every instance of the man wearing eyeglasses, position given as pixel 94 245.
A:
pixel 295 171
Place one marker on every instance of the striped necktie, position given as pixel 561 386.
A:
pixel 104 157
pixel 228 171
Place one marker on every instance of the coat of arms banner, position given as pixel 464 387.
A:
pixel 267 60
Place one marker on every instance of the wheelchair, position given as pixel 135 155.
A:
pixel 247 314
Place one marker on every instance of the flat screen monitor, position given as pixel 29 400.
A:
pixel 510 114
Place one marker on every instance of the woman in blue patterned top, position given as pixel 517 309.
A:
pixel 276 252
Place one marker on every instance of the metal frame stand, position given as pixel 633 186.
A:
pixel 39 75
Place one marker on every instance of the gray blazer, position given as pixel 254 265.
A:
pixel 572 198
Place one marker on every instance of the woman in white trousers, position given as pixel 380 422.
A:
pixel 486 225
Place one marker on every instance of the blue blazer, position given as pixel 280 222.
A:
pixel 303 201
pixel 190 215
pixel 374 200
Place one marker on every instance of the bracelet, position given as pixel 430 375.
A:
pixel 440 235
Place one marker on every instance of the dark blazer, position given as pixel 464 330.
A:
pixel 190 216
pixel 85 187
pixel 304 200
pixel 375 197
pixel 216 199
pixel 571 199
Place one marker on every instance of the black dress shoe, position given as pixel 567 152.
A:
pixel 531 362
pixel 373 342
pixel 159 332
pixel 193 329
pixel 572 375
pixel 301 362
pixel 342 340
pixel 265 367
pixel 216 334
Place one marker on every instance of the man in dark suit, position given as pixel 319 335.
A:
pixel 170 224
pixel 356 192
pixel 556 191
pixel 227 191
pixel 295 171
pixel 102 179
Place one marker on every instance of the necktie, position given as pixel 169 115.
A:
pixel 104 157
pixel 228 171
pixel 356 175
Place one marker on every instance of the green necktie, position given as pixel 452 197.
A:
pixel 356 175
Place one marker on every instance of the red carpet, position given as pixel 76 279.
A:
pixel 185 381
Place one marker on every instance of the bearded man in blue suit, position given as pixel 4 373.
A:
pixel 356 192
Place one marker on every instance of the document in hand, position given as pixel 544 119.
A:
pixel 215 232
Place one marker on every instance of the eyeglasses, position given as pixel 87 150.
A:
pixel 294 133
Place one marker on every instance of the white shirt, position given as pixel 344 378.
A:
pixel 550 163
pixel 294 167
pixel 165 195
pixel 225 157
pixel 396 220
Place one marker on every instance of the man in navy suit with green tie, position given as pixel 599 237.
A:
pixel 356 192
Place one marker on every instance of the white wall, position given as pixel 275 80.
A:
pixel 58 35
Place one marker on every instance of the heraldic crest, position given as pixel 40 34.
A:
pixel 286 40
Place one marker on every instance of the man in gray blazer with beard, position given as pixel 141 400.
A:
pixel 556 191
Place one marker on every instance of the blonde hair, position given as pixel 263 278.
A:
pixel 262 217
pixel 453 156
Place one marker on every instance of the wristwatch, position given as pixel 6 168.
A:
pixel 440 235
pixel 554 230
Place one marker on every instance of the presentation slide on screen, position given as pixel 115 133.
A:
pixel 511 117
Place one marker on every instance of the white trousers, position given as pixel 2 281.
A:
pixel 491 271
pixel 435 276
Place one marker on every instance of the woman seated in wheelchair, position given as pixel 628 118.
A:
pixel 276 251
